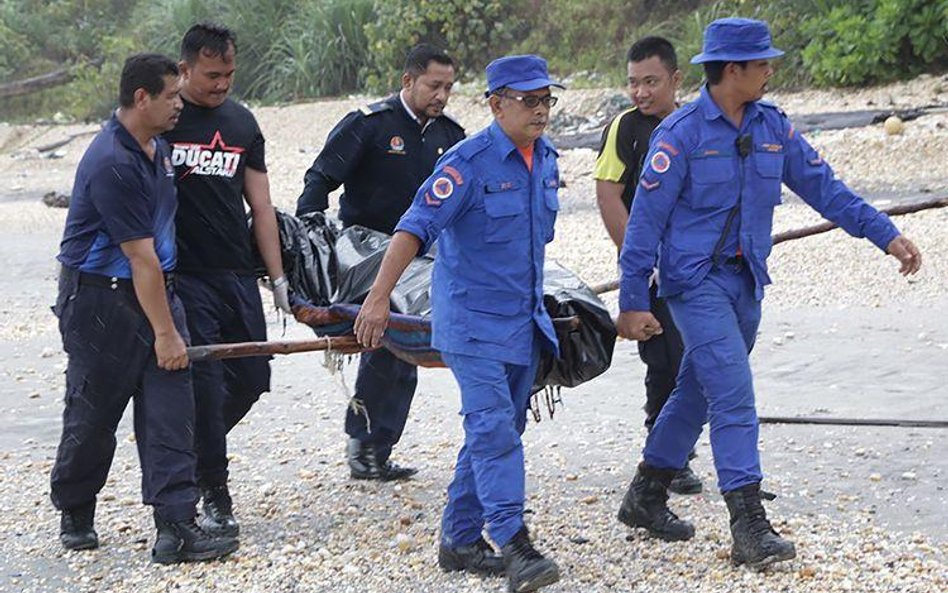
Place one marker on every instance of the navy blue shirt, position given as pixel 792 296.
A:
pixel 494 218
pixel 381 154
pixel 119 195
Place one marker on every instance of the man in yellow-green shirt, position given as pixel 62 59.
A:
pixel 654 79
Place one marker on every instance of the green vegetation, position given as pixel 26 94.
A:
pixel 296 49
pixel 473 31
pixel 875 40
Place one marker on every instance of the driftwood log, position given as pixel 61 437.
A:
pixel 45 81
pixel 54 145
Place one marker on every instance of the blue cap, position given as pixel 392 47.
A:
pixel 520 73
pixel 736 40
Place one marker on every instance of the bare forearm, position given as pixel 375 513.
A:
pixel 149 283
pixel 265 231
pixel 267 235
pixel 612 210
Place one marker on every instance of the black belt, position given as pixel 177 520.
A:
pixel 736 260
pixel 116 283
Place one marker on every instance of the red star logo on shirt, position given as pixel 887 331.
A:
pixel 216 144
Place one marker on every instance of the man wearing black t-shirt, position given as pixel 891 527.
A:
pixel 653 81
pixel 381 154
pixel 218 156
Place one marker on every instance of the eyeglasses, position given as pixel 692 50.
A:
pixel 531 101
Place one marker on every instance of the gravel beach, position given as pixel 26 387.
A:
pixel 843 335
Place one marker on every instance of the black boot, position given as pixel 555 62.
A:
pixel 218 518
pixel 526 569
pixel 685 482
pixel 755 541
pixel 365 464
pixel 477 558
pixel 76 531
pixel 184 541
pixel 645 505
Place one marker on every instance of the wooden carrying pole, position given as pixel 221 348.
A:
pixel 342 344
pixel 815 230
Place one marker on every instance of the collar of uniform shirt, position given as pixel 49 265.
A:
pixel 712 111
pixel 401 96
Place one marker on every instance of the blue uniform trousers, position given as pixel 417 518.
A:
pixel 110 346
pixel 223 307
pixel 385 385
pixel 718 321
pixel 488 485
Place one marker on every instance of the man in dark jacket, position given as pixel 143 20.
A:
pixel 381 154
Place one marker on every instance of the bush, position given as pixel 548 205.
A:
pixel 876 41
pixel 472 31
pixel 577 35
pixel 40 37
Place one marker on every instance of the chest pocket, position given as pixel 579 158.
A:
pixel 504 204
pixel 769 166
pixel 713 181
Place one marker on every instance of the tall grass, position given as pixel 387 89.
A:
pixel 317 52
pixel 287 49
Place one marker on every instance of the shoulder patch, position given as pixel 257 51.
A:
pixel 377 107
pixel 660 162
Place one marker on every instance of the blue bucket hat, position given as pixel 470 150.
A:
pixel 520 73
pixel 736 40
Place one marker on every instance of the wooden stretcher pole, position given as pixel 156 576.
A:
pixel 342 344
pixel 814 230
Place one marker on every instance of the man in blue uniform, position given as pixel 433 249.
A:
pixel 123 326
pixel 381 154
pixel 705 205
pixel 217 150
pixel 492 200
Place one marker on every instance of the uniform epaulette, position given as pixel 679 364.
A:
pixel 472 146
pixel 769 104
pixel 679 114
pixel 377 107
pixel 447 117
